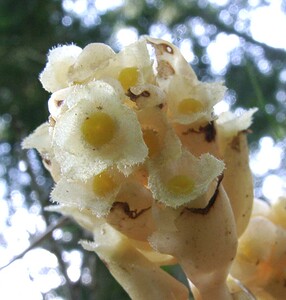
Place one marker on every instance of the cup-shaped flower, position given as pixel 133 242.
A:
pixel 131 66
pixel 97 194
pixel 192 103
pixel 97 132
pixel 184 179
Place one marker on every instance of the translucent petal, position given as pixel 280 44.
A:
pixel 41 140
pixel 81 160
pixel 192 103
pixel 83 195
pixel 170 62
pixel 55 75
pixel 133 57
pixel 201 172
pixel 57 102
pixel 94 56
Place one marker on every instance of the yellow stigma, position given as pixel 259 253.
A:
pixel 180 185
pixel 188 106
pixel 103 184
pixel 151 139
pixel 98 129
pixel 128 77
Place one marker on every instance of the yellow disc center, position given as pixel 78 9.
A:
pixel 151 139
pixel 128 77
pixel 189 106
pixel 180 185
pixel 98 129
pixel 103 184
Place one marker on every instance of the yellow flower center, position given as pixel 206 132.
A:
pixel 180 185
pixel 98 129
pixel 128 77
pixel 151 139
pixel 103 184
pixel 189 106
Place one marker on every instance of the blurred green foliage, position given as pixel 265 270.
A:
pixel 29 28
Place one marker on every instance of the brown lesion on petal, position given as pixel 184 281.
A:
pixel 165 69
pixel 209 131
pixel 59 103
pixel 162 48
pixel 205 210
pixel 132 214
pixel 165 48
pixel 46 160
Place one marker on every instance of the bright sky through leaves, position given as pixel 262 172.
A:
pixel 268 25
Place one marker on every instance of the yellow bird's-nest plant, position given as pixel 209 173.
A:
pixel 140 159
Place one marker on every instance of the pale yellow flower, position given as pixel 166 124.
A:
pixel 97 194
pixel 97 132
pixel 192 103
pixel 182 180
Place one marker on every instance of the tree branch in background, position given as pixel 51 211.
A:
pixel 39 240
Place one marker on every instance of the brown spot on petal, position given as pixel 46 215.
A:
pixel 145 94
pixel 134 97
pixel 59 103
pixel 47 161
pixel 209 131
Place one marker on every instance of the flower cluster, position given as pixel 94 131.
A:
pixel 260 263
pixel 140 159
